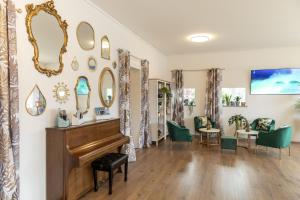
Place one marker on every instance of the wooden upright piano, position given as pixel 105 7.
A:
pixel 70 152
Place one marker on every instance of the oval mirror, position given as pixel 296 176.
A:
pixel 49 43
pixel 82 93
pixel 107 88
pixel 85 36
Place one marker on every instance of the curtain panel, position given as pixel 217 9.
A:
pixel 9 104
pixel 124 101
pixel 178 112
pixel 213 100
pixel 145 136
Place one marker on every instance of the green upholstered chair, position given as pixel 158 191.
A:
pixel 280 138
pixel 178 133
pixel 198 123
pixel 229 142
pixel 268 129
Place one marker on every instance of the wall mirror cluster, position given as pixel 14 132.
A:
pixel 36 102
pixel 107 87
pixel 86 36
pixel 82 93
pixel 61 92
pixel 49 43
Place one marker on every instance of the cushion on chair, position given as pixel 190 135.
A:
pixel 203 121
pixel 263 124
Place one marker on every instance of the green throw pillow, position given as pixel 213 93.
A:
pixel 263 124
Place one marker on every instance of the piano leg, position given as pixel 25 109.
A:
pixel 110 181
pixel 126 171
pixel 95 180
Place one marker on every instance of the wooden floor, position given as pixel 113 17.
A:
pixel 191 171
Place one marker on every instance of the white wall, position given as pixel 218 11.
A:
pixel 237 74
pixel 32 141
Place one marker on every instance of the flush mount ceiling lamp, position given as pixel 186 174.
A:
pixel 199 38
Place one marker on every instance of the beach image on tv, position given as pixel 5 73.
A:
pixel 275 81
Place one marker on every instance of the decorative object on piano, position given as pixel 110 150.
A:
pixel 77 118
pixel 36 102
pixel 85 36
pixel 62 120
pixel 105 48
pixel 107 87
pixel 114 64
pixel 75 64
pixel 92 63
pixel 82 93
pixel 102 113
pixel 49 42
pixel 61 92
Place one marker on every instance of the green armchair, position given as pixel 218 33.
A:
pixel 198 123
pixel 178 133
pixel 267 129
pixel 280 138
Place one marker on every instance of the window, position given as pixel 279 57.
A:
pixel 234 97
pixel 189 96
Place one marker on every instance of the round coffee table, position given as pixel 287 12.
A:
pixel 249 134
pixel 209 132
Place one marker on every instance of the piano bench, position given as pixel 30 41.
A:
pixel 109 163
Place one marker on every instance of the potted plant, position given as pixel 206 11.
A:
pixel 237 120
pixel 227 99
pixel 237 100
pixel 166 91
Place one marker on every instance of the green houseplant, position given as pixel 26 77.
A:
pixel 166 91
pixel 237 100
pixel 227 99
pixel 237 120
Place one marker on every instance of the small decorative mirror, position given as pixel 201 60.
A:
pixel 92 63
pixel 61 92
pixel 49 42
pixel 75 64
pixel 105 48
pixel 107 88
pixel 82 92
pixel 36 102
pixel 86 36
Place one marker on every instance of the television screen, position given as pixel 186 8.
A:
pixel 275 81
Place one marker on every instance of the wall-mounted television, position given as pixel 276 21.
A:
pixel 275 81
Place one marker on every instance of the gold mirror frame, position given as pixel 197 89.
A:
pixel 77 29
pixel 107 69
pixel 76 96
pixel 49 8
pixel 102 54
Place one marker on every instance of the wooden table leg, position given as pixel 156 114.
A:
pixel 208 142
pixel 249 141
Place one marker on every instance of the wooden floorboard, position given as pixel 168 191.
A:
pixel 191 171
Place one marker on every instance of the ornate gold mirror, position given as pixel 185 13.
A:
pixel 107 87
pixel 48 35
pixel 82 93
pixel 61 92
pixel 85 36
pixel 105 48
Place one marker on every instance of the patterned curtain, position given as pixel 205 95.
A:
pixel 9 104
pixel 124 101
pixel 178 112
pixel 213 103
pixel 145 137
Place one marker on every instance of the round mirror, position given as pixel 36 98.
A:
pixel 92 63
pixel 82 92
pixel 61 92
pixel 85 36
pixel 107 88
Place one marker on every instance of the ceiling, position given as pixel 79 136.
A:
pixel 235 24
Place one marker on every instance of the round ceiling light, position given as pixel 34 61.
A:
pixel 199 38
